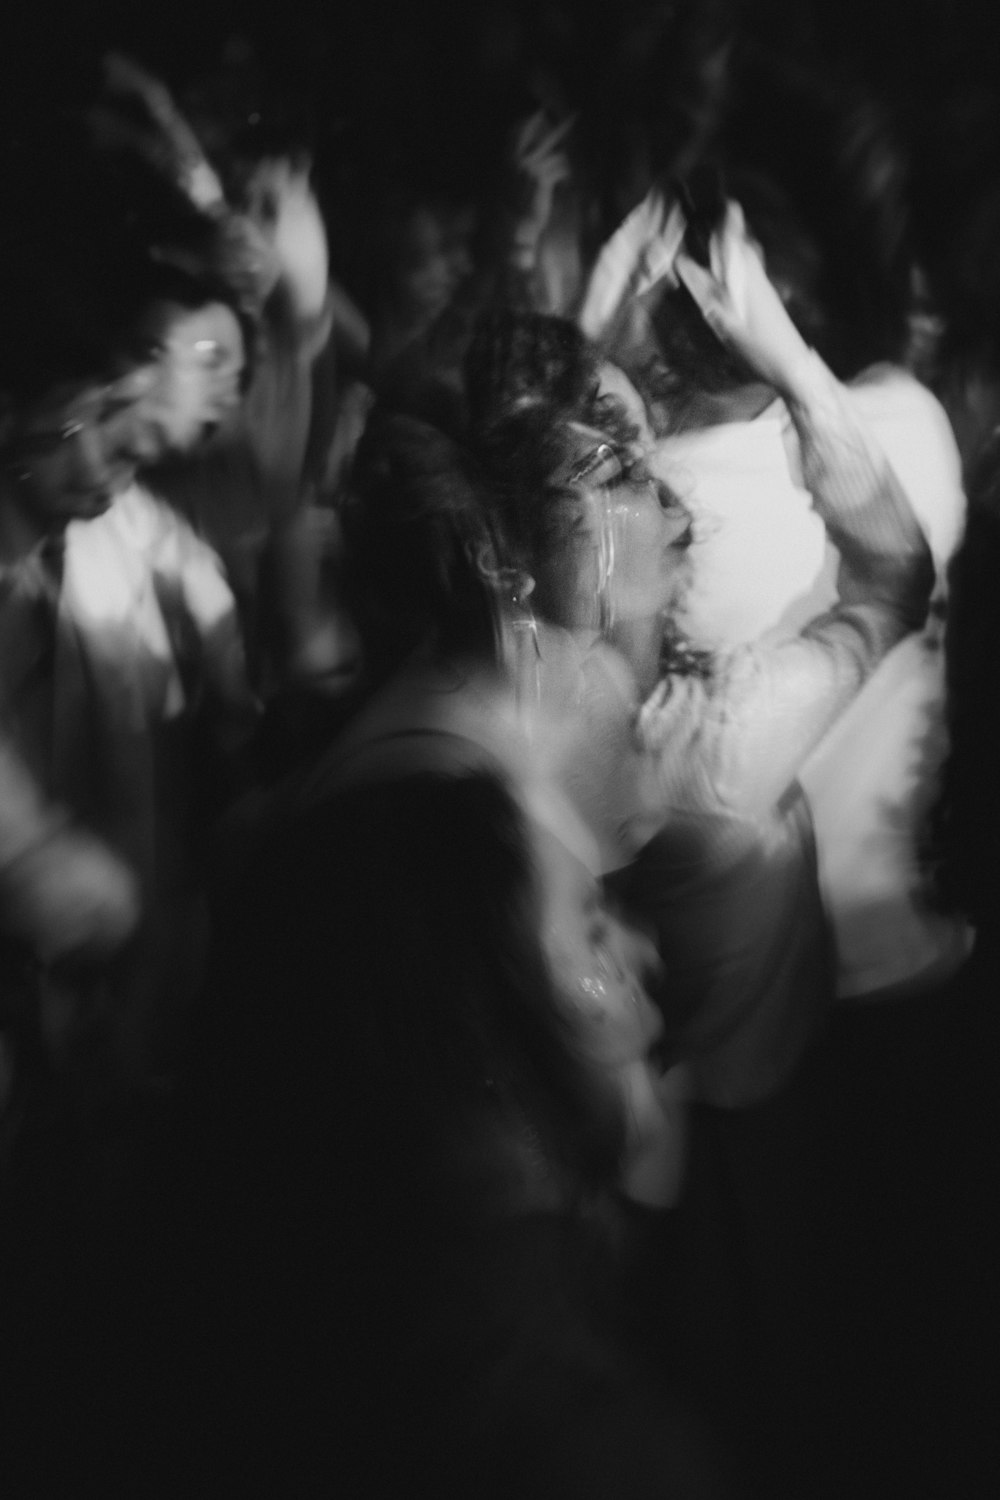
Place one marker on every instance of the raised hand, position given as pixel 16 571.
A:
pixel 538 159
pixel 164 138
pixel 743 308
pixel 639 255
pixel 281 203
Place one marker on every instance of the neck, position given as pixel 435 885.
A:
pixel 640 642
pixel 21 529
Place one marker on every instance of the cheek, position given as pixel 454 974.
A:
pixel 639 569
pixel 49 477
pixel 178 396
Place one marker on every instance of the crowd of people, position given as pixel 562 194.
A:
pixel 498 821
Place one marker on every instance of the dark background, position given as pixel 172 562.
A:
pixel 380 86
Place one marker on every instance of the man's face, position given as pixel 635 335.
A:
pixel 69 451
pixel 198 356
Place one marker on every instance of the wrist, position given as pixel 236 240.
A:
pixel 806 379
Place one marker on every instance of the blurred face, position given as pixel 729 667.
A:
pixel 434 259
pixel 598 963
pixel 617 546
pixel 68 454
pixel 198 357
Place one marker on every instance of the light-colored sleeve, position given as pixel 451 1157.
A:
pixel 740 738
pixel 201 616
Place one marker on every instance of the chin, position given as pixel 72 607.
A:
pixel 95 505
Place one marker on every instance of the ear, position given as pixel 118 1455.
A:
pixel 483 557
pixel 514 583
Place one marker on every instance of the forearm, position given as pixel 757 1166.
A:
pixel 884 554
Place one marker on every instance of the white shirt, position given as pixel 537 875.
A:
pixel 762 568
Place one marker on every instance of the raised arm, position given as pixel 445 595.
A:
pixel 768 706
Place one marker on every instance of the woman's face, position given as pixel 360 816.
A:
pixel 616 551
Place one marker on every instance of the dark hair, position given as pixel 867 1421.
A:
pixel 837 156
pixel 417 538
pixel 962 831
pixel 528 375
pixel 393 1072
pixel 386 972
pixel 516 358
pixel 693 358
pixel 90 245
pixel 969 289
pixel 534 375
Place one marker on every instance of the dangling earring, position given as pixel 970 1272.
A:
pixel 513 588
pixel 527 663
pixel 605 570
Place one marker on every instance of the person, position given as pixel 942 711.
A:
pixel 427 1015
pixel 686 769
pixel 238 474
pixel 122 661
pixel 765 566
pixel 737 454
pixel 443 651
pixel 533 449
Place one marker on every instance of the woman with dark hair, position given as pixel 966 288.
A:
pixel 448 639
pixel 437 1059
pixel 684 764
pixel 700 736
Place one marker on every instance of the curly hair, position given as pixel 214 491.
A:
pixel 415 533
pixel 516 359
pixel 93 244
pixel 528 376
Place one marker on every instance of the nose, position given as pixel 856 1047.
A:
pixel 677 521
pixel 676 516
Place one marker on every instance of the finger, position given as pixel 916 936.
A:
pixel 672 234
pixel 535 151
pixel 734 221
pixel 125 76
pixel 558 133
pixel 717 254
pixel 661 252
pixel 528 134
pixel 543 160
pixel 550 172
pixel 699 282
pixel 707 293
